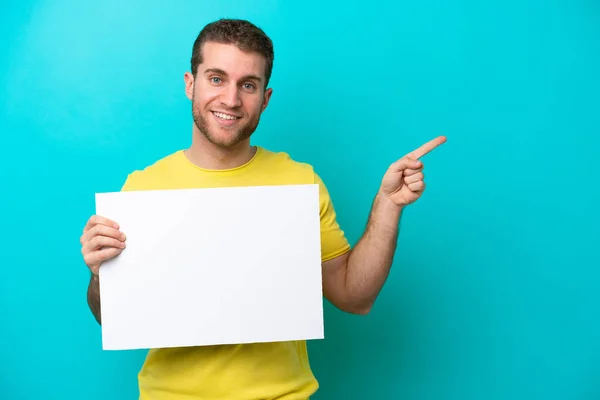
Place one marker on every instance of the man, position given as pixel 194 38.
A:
pixel 228 87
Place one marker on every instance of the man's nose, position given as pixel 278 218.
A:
pixel 231 97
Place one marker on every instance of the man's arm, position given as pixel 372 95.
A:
pixel 353 281
pixel 93 297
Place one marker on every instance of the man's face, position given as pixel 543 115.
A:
pixel 227 93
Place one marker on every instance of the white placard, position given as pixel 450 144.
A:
pixel 212 266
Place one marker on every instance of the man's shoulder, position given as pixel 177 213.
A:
pixel 142 176
pixel 284 161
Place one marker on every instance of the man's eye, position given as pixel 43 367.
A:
pixel 215 79
pixel 248 86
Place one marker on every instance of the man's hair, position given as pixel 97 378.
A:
pixel 241 33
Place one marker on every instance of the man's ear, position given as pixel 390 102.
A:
pixel 189 85
pixel 267 97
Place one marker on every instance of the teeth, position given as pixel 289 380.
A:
pixel 224 116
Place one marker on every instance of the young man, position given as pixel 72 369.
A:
pixel 228 87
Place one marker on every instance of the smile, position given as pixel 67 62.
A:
pixel 224 116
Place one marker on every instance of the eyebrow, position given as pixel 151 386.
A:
pixel 221 72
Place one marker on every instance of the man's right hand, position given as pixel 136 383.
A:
pixel 101 240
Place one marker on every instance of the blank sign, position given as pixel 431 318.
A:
pixel 212 266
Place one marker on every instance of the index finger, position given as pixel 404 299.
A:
pixel 98 219
pixel 427 147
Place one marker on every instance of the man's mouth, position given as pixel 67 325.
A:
pixel 225 116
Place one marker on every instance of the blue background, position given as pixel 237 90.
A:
pixel 495 290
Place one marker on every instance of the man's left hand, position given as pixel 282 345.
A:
pixel 403 183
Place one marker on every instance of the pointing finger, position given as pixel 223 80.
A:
pixel 427 147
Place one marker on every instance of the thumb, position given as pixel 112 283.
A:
pixel 405 163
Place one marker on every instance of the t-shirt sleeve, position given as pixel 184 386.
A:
pixel 333 240
pixel 132 182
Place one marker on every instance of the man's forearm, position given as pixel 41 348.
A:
pixel 370 261
pixel 93 297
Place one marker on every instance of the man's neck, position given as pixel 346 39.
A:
pixel 209 156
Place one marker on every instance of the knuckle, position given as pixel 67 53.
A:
pixel 96 230
pixel 95 241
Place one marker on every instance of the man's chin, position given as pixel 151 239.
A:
pixel 227 141
pixel 222 136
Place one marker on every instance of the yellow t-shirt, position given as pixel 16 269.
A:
pixel 246 371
